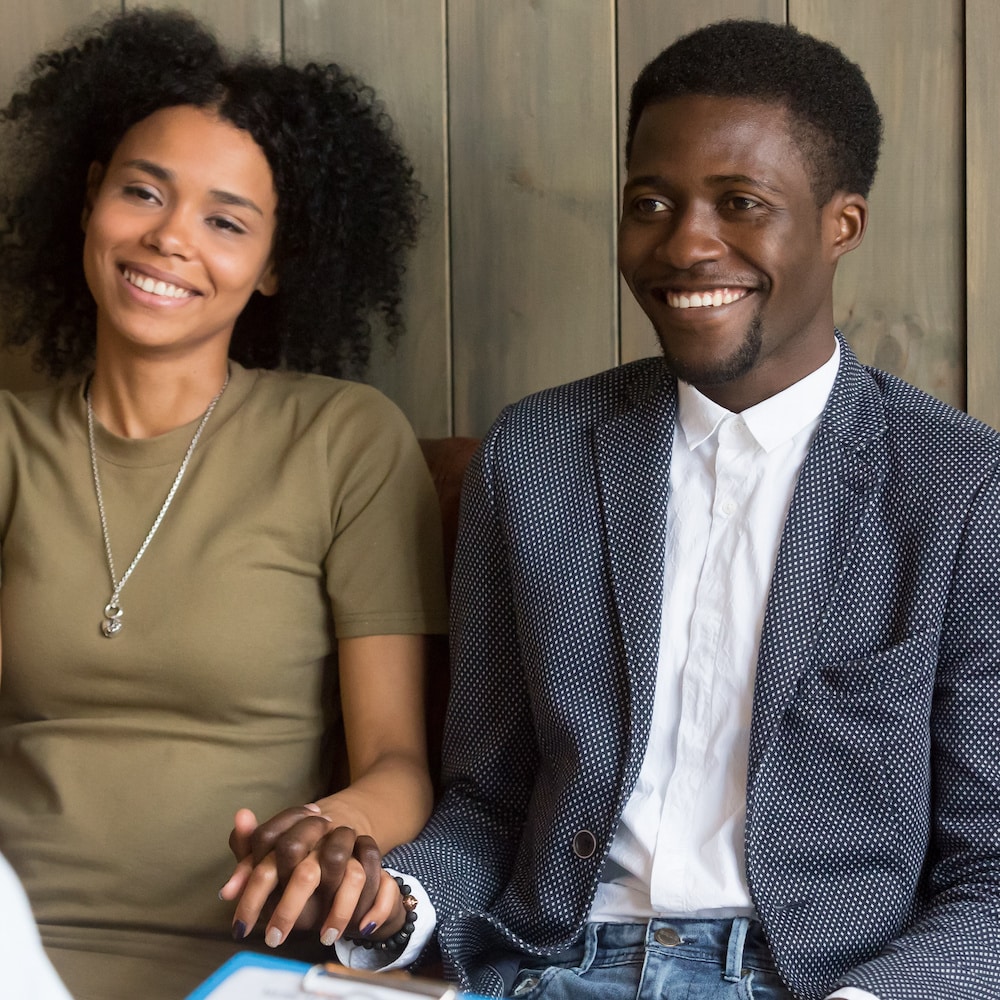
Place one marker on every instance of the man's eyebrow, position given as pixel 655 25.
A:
pixel 743 179
pixel 658 181
pixel 162 174
pixel 646 180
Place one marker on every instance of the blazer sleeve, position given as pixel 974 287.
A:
pixel 952 949
pixel 464 855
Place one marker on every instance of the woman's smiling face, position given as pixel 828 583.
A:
pixel 179 230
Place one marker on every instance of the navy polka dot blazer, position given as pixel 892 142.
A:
pixel 873 809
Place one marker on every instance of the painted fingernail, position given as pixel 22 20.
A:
pixel 239 930
pixel 273 937
pixel 367 930
pixel 329 936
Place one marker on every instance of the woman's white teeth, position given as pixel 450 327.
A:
pixel 155 287
pixel 697 300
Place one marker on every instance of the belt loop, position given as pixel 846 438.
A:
pixel 734 953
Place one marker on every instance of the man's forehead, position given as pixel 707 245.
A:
pixel 734 123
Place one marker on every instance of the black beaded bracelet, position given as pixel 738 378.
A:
pixel 398 940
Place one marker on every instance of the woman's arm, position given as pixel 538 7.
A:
pixel 324 856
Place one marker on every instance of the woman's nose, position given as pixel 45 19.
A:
pixel 171 236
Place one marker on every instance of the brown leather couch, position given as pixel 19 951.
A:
pixel 447 459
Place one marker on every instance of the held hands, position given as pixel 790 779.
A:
pixel 316 873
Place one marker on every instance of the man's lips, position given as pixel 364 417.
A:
pixel 156 285
pixel 703 298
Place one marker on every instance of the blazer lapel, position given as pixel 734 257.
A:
pixel 632 455
pixel 841 477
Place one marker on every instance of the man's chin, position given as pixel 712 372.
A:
pixel 717 371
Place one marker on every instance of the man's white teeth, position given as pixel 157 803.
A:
pixel 156 287
pixel 696 300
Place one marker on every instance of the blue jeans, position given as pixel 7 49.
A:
pixel 662 960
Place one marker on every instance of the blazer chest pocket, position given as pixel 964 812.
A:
pixel 900 670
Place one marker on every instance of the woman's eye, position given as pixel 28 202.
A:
pixel 140 193
pixel 226 225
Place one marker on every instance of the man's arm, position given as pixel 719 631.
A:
pixel 953 949
pixel 464 855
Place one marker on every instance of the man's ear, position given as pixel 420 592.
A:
pixel 846 216
pixel 95 174
pixel 268 284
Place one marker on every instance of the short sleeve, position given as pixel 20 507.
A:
pixel 385 567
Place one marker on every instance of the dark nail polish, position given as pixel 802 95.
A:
pixel 239 930
pixel 367 930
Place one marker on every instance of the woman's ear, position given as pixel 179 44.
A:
pixel 847 215
pixel 268 284
pixel 95 174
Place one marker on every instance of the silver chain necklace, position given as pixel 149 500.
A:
pixel 112 623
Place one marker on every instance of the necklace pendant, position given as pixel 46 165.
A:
pixel 112 623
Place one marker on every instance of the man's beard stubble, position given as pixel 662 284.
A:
pixel 728 369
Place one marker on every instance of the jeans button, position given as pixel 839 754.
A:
pixel 525 986
pixel 667 936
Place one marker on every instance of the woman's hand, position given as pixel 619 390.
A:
pixel 326 875
pixel 309 861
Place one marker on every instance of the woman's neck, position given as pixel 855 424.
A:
pixel 143 400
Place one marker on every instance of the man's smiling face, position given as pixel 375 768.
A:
pixel 724 246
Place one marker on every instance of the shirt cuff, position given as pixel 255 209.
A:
pixel 357 956
pixel 851 993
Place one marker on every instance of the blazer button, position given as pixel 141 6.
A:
pixel 584 844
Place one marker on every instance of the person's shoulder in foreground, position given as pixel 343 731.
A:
pixel 26 971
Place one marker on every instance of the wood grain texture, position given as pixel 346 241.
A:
pixel 900 297
pixel 513 114
pixel 399 50
pixel 532 119
pixel 238 23
pixel 646 28
pixel 982 90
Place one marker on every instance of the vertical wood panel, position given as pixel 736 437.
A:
pixel 27 28
pixel 900 297
pixel 646 28
pixel 398 49
pixel 239 23
pixel 982 89
pixel 532 178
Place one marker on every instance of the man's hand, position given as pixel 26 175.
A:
pixel 315 873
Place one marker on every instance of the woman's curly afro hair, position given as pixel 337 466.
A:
pixel 834 116
pixel 347 201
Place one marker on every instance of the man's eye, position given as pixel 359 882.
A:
pixel 649 206
pixel 743 204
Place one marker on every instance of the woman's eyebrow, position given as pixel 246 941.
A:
pixel 163 174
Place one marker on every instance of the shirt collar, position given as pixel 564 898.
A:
pixel 773 421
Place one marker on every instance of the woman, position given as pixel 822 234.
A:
pixel 215 573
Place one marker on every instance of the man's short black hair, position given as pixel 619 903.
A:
pixel 834 116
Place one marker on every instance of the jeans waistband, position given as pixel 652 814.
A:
pixel 733 943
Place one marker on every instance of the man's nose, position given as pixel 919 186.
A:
pixel 691 237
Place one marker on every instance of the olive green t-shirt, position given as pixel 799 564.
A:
pixel 306 514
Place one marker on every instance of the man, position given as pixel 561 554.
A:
pixel 725 717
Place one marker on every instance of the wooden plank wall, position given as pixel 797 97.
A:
pixel 513 114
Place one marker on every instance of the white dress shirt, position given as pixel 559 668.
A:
pixel 678 851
